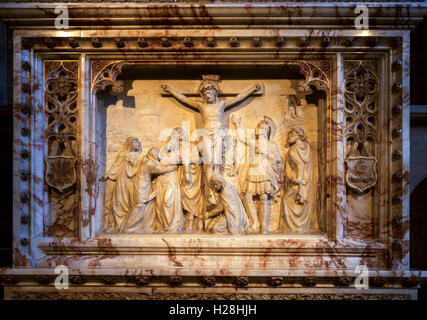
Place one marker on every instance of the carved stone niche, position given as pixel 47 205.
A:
pixel 158 171
pixel 175 163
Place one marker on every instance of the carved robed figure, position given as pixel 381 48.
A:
pixel 142 217
pixel 169 198
pixel 299 210
pixel 118 184
pixel 229 215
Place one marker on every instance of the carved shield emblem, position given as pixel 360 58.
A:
pixel 361 173
pixel 60 172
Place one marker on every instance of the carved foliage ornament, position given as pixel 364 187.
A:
pixel 361 117
pixel 61 115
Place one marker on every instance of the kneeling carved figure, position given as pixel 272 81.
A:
pixel 229 215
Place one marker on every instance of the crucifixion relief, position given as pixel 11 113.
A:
pixel 212 110
pixel 210 190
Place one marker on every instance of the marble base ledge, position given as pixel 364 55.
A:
pixel 138 284
pixel 215 293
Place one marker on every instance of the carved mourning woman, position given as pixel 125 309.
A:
pixel 169 198
pixel 229 215
pixel 142 217
pixel 118 184
pixel 262 173
pixel 298 207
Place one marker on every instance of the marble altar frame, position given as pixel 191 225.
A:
pixel 88 103
pixel 329 257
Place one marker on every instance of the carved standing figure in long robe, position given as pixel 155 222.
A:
pixel 193 194
pixel 142 217
pixel 299 209
pixel 169 198
pixel 118 184
pixel 229 215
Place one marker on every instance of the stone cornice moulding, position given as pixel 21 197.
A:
pixel 149 245
pixel 232 285
pixel 168 14
pixel 90 295
pixel 228 272
pixel 193 277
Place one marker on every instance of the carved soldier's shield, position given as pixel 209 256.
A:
pixel 60 172
pixel 361 173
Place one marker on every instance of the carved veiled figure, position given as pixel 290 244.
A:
pixel 169 198
pixel 229 215
pixel 118 184
pixel 142 217
pixel 298 207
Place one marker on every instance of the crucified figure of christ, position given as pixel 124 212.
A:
pixel 212 109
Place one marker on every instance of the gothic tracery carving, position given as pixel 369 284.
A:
pixel 61 92
pixel 105 73
pixel 316 73
pixel 361 120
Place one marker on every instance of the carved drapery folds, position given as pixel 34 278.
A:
pixel 361 120
pixel 61 114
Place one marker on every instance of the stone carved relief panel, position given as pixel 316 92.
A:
pixel 361 94
pixel 61 135
pixel 209 168
pixel 133 133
